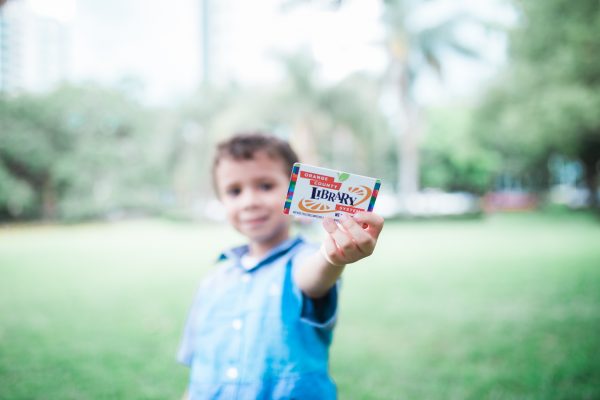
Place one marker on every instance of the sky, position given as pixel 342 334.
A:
pixel 159 43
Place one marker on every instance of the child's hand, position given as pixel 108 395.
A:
pixel 355 239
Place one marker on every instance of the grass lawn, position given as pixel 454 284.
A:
pixel 506 307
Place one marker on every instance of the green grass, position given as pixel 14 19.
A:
pixel 506 307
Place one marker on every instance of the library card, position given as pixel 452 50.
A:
pixel 320 192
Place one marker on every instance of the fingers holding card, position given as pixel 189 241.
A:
pixel 347 241
pixel 345 202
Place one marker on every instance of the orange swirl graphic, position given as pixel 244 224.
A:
pixel 364 191
pixel 314 207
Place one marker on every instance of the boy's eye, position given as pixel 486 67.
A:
pixel 233 191
pixel 265 186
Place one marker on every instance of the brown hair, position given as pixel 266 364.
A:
pixel 243 146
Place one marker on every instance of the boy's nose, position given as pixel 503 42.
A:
pixel 250 199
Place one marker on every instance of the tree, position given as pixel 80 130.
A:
pixel 76 152
pixel 547 100
pixel 456 160
pixel 335 122
pixel 412 50
pixel 33 148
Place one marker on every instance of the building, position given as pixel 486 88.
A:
pixel 11 57
pixel 33 48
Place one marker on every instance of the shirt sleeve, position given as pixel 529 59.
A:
pixel 322 312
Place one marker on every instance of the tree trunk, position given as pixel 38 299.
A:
pixel 48 200
pixel 590 157
pixel 408 140
pixel 592 185
pixel 408 151
pixel 591 182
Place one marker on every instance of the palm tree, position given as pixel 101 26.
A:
pixel 301 97
pixel 335 122
pixel 413 50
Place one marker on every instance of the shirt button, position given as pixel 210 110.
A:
pixel 232 373
pixel 237 324
pixel 246 278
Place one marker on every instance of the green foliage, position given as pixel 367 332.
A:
pixel 32 144
pixel 88 151
pixel 413 48
pixel 16 195
pixel 452 158
pixel 548 99
pixel 336 124
pixel 358 137
pixel 75 153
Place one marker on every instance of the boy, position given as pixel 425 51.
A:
pixel 261 324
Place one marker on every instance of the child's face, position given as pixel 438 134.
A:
pixel 253 193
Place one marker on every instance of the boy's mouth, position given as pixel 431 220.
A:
pixel 251 222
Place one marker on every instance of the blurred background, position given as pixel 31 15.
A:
pixel 482 118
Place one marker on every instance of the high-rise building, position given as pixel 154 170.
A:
pixel 33 48
pixel 11 56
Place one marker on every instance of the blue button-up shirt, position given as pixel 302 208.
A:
pixel 252 334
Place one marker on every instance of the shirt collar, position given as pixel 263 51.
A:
pixel 236 253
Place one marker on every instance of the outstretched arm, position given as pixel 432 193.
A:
pixel 354 239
